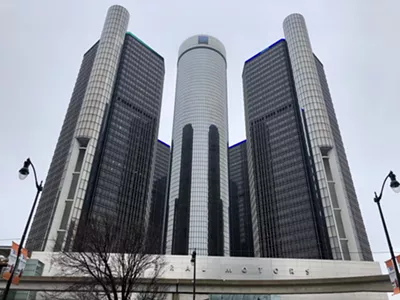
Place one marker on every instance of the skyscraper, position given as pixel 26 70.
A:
pixel 240 221
pixel 104 159
pixel 302 195
pixel 288 214
pixel 157 221
pixel 346 184
pixel 349 240
pixel 198 193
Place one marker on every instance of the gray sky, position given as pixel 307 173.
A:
pixel 42 44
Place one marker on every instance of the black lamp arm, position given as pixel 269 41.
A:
pixel 378 198
pixel 38 186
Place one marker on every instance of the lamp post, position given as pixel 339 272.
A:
pixel 193 261
pixel 395 185
pixel 23 173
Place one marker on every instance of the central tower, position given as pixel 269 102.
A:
pixel 198 195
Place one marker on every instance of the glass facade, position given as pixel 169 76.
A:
pixel 311 100
pixel 158 196
pixel 182 203
pixel 88 132
pixel 48 201
pixel 339 201
pixel 215 206
pixel 347 178
pixel 241 231
pixel 121 179
pixel 105 167
pixel 198 191
pixel 288 211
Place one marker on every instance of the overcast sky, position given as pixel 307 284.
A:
pixel 42 44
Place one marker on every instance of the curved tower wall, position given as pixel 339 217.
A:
pixel 198 198
pixel 344 239
pixel 97 97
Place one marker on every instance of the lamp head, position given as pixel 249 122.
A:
pixel 24 171
pixel 394 184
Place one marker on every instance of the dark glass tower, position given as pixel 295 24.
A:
pixel 302 196
pixel 241 232
pixel 120 184
pixel 182 205
pixel 347 178
pixel 289 219
pixel 104 161
pixel 51 192
pixel 347 235
pixel 157 221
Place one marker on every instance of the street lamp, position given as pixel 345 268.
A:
pixel 23 173
pixel 395 185
pixel 193 261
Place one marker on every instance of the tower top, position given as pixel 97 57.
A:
pixel 203 41
pixel 292 17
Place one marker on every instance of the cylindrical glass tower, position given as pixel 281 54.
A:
pixel 198 198
pixel 347 237
pixel 97 96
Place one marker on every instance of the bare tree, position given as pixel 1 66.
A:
pixel 115 261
